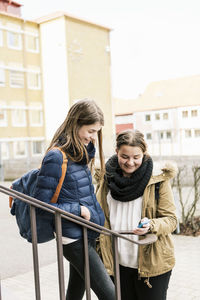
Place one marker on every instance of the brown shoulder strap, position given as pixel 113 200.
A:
pixel 57 192
pixel 10 199
pixel 64 169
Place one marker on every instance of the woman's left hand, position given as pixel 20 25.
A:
pixel 141 231
pixel 145 227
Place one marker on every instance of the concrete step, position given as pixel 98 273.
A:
pixel 21 287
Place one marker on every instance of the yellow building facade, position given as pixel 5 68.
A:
pixel 22 133
pixel 76 64
pixel 45 66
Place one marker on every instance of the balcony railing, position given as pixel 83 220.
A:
pixel 59 214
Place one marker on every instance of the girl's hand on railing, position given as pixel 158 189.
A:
pixel 85 213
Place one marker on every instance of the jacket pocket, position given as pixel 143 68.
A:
pixel 147 249
pixel 166 247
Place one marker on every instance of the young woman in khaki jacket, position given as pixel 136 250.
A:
pixel 127 196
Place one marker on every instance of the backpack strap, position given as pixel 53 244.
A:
pixel 57 192
pixel 10 199
pixel 64 169
pixel 157 186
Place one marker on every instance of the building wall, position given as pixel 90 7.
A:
pixel 122 127
pixel 123 122
pixel 21 100
pixel 178 135
pixel 55 73
pixel 89 70
pixel 70 61
pixel 76 65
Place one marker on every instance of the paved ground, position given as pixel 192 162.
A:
pixel 184 284
pixel 17 276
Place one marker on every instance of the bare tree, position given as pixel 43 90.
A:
pixel 189 203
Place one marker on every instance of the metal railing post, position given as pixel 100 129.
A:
pixel 35 252
pixel 116 267
pixel 87 265
pixel 59 214
pixel 60 255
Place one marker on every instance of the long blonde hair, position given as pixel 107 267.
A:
pixel 83 112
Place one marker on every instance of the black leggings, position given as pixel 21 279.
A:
pixel 100 281
pixel 133 288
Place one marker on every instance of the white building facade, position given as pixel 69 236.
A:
pixel 172 131
pixel 168 113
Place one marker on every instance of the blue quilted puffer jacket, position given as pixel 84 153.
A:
pixel 77 190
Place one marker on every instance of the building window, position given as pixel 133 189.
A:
pixel 157 116
pixel 36 117
pixel 32 43
pixel 165 116
pixel 16 79
pixel 34 81
pixel 19 117
pixel 3 117
pixel 194 113
pixel 147 118
pixel 185 114
pixel 149 136
pixel 168 134
pixel 188 133
pixel 14 40
pixel 2 77
pixel 20 149
pixel 4 150
pixel 161 135
pixel 38 147
pixel 197 133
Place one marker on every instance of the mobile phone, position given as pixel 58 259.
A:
pixel 146 221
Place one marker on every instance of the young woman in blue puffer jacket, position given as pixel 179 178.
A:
pixel 76 137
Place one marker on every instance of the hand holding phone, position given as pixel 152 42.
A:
pixel 143 222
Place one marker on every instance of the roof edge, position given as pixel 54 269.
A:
pixel 146 109
pixel 16 17
pixel 58 14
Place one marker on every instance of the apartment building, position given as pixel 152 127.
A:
pixel 75 55
pixel 45 66
pixel 22 132
pixel 168 114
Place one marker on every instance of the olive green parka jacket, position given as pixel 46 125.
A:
pixel 157 258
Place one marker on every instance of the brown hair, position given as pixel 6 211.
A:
pixel 83 112
pixel 133 138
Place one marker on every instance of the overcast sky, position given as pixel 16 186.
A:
pixel 152 39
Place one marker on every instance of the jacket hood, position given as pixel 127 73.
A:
pixel 163 170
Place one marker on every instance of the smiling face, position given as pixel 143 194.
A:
pixel 129 159
pixel 88 133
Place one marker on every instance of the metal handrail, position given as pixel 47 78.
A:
pixel 59 214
